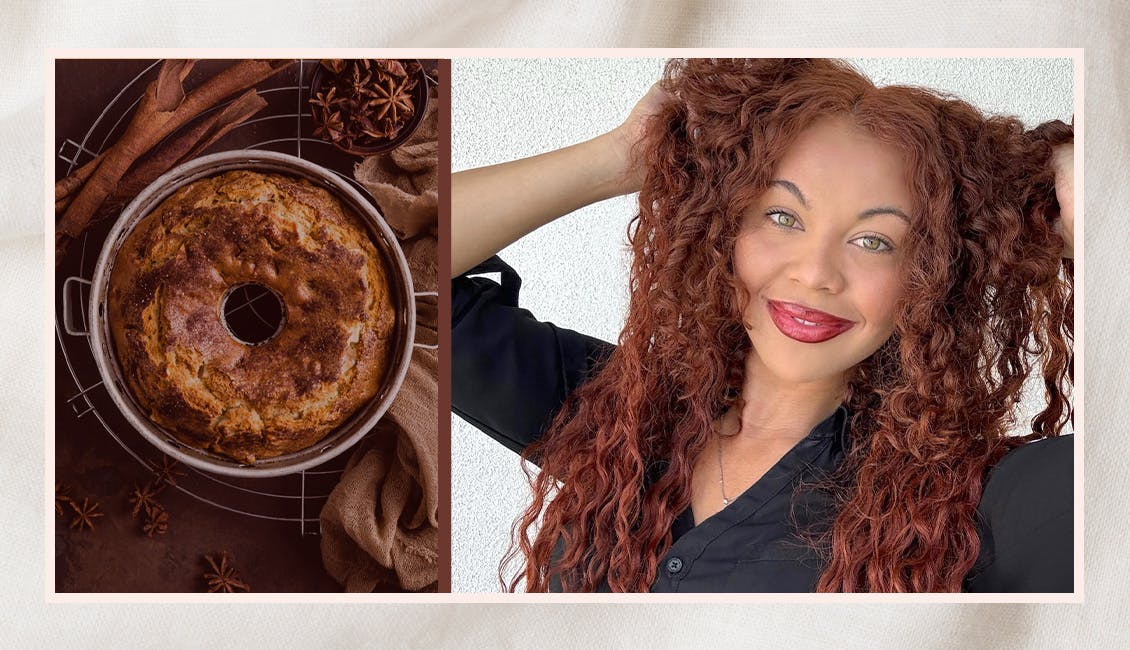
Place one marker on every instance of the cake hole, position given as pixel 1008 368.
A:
pixel 253 313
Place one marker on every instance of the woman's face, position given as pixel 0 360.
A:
pixel 820 253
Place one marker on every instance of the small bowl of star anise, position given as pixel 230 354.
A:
pixel 368 106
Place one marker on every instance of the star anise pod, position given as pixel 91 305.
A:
pixel 168 471
pixel 327 100
pixel 394 99
pixel 333 65
pixel 85 514
pixel 156 521
pixel 61 497
pixel 143 498
pixel 223 576
pixel 331 127
pixel 392 67
pixel 361 78
pixel 391 129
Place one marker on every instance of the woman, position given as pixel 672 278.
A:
pixel 836 293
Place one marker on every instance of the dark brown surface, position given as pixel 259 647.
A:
pixel 102 458
pixel 444 321
pixel 117 556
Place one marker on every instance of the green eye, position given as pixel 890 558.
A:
pixel 874 244
pixel 783 219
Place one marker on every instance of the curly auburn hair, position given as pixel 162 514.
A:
pixel 986 297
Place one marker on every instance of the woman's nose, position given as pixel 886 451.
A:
pixel 817 266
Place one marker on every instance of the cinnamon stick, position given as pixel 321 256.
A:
pixel 236 113
pixel 164 108
pixel 68 185
pixel 183 148
pixel 158 104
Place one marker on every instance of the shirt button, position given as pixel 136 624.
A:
pixel 674 565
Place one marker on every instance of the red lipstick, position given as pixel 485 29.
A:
pixel 805 324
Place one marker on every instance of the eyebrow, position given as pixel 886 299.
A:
pixel 793 189
pixel 870 212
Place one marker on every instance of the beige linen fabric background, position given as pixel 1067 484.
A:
pixel 30 26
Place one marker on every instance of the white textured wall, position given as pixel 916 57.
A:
pixel 574 270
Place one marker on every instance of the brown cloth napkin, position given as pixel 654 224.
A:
pixel 379 526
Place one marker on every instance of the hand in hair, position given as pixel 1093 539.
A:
pixel 628 134
pixel 1063 161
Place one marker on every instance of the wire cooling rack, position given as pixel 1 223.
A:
pixel 284 126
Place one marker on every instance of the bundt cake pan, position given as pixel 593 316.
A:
pixel 400 279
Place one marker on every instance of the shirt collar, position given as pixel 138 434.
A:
pixel 836 426
pixel 842 427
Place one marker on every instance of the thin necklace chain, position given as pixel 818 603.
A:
pixel 722 474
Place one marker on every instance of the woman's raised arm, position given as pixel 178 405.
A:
pixel 491 207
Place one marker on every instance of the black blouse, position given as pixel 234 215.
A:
pixel 511 373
